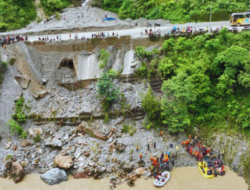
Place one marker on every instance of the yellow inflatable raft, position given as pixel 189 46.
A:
pixel 204 169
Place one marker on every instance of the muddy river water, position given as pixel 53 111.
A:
pixel 186 178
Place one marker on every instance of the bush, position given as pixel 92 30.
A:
pixel 106 119
pixel 128 129
pixel 15 128
pixel 37 138
pixel 58 16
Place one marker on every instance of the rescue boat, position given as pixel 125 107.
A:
pixel 204 170
pixel 162 179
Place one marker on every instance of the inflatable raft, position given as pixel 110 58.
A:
pixel 204 170
pixel 162 180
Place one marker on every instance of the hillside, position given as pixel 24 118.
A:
pixel 174 10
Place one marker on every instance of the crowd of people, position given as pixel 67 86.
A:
pixel 12 39
pixel 205 155
pixel 104 34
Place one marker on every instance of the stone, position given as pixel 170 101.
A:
pixel 7 146
pixel 80 174
pixel 25 143
pixel 87 154
pixel 17 172
pixel 14 147
pixel 8 164
pixel 54 176
pixel 53 142
pixel 127 168
pixel 64 162
pixel 140 171
pixel 33 132
pixel 120 147
pixel 80 128
pixel 40 94
pixel 22 82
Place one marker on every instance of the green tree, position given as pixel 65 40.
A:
pixel 177 94
pixel 107 90
pixel 151 105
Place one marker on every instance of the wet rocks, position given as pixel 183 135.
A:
pixel 54 176
pixel 15 170
pixel 64 162
pixel 80 174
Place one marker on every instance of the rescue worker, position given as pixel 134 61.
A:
pixel 140 155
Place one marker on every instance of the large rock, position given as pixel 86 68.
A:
pixel 25 143
pixel 140 171
pixel 53 142
pixel 40 94
pixel 17 172
pixel 64 162
pixel 54 176
pixel 23 82
pixel 80 173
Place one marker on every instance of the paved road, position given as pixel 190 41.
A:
pixel 136 32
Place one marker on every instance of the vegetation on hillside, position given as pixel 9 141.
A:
pixel 52 6
pixel 206 82
pixel 174 10
pixel 16 13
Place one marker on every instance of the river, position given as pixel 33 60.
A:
pixel 186 178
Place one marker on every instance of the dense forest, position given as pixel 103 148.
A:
pixel 206 82
pixel 174 10
pixel 16 14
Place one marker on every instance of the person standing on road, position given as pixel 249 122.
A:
pixel 70 36
pixel 196 20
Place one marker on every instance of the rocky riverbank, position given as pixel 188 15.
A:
pixel 68 132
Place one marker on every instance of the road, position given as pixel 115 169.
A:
pixel 136 32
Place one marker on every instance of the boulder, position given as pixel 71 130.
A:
pixel 54 176
pixel 87 154
pixel 17 172
pixel 140 171
pixel 14 147
pixel 127 168
pixel 40 94
pixel 25 143
pixel 22 82
pixel 120 147
pixel 80 174
pixel 8 164
pixel 80 128
pixel 7 146
pixel 33 132
pixel 53 142
pixel 64 162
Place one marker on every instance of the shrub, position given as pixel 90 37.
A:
pixel 106 119
pixel 37 138
pixel 15 128
pixel 58 16
pixel 8 157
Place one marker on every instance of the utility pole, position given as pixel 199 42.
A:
pixel 211 17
